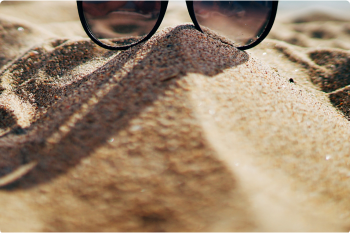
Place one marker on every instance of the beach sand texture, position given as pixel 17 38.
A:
pixel 180 133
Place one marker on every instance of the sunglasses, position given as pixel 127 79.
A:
pixel 119 25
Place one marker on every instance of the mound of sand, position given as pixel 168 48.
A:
pixel 180 133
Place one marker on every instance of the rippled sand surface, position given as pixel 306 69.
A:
pixel 180 133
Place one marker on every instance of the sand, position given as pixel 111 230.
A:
pixel 180 133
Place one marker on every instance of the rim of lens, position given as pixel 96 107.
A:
pixel 101 42
pixel 265 30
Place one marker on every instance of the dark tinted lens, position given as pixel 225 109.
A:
pixel 121 23
pixel 241 21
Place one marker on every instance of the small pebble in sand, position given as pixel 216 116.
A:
pixel 17 174
pixel 33 53
pixel 111 140
pixel 135 128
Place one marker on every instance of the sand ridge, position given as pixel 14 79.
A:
pixel 180 133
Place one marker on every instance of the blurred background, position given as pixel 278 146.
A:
pixel 51 11
pixel 293 5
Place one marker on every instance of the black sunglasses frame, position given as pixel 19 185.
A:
pixel 164 5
